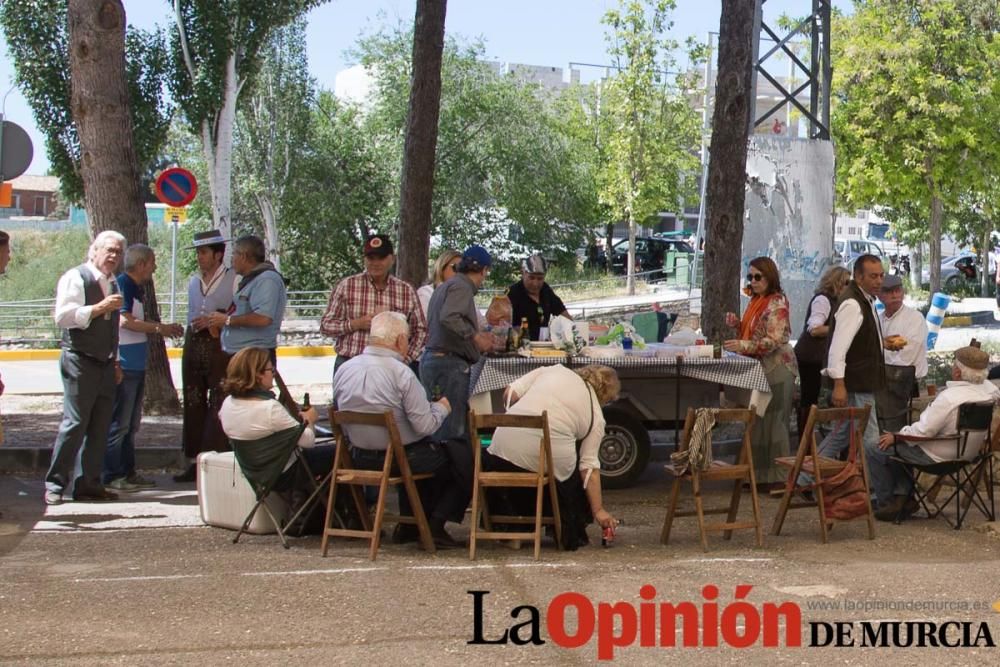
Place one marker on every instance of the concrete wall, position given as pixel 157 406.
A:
pixel 789 213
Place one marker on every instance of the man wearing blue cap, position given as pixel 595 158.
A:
pixel 454 341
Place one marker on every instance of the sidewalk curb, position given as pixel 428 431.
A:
pixel 37 459
pixel 969 319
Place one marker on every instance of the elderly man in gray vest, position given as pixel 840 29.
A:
pixel 87 311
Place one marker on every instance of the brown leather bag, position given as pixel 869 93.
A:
pixel 844 494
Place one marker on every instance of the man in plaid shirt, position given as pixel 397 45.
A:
pixel 360 297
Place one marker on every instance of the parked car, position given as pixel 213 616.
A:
pixel 651 253
pixel 850 249
pixel 962 269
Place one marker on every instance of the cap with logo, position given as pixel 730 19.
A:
pixel 535 264
pixel 379 245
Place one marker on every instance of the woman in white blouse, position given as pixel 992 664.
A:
pixel 573 400
pixel 810 349
pixel 251 411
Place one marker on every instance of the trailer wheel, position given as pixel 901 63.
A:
pixel 624 450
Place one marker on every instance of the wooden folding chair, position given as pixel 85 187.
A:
pixel 741 471
pixel 395 471
pixel 808 460
pixel 541 480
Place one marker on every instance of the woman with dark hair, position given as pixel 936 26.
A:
pixel 811 347
pixel 764 331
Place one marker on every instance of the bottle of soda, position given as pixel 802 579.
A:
pixel 525 335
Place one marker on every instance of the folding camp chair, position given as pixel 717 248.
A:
pixel 395 471
pixel 741 471
pixel 541 480
pixel 263 467
pixel 809 461
pixel 964 473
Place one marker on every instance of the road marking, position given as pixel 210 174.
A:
pixel 342 570
pixel 727 560
pixel 141 578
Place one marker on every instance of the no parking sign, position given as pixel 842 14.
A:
pixel 176 187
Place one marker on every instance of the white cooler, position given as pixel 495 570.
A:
pixel 225 497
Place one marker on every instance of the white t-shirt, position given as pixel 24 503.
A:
pixel 570 403
pixel 912 326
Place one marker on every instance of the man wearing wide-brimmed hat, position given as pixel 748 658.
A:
pixel 889 482
pixel 203 365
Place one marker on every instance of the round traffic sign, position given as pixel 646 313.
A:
pixel 176 187
pixel 15 151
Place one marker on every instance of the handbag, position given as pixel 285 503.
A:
pixel 844 493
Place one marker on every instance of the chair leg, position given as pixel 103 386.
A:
pixel 277 524
pixel 668 521
pixel 734 507
pixel 539 496
pixel 426 541
pixel 476 510
pixel 383 490
pixel 758 523
pixel 556 516
pixel 863 462
pixel 699 507
pixel 246 522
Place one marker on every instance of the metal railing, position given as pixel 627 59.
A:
pixel 30 322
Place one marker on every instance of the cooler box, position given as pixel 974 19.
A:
pixel 225 497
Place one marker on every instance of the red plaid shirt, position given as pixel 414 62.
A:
pixel 356 296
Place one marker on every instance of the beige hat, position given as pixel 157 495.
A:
pixel 972 357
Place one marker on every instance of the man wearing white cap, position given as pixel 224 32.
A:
pixel 533 298
pixel 889 482
pixel 904 336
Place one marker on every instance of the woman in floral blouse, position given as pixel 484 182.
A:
pixel 764 330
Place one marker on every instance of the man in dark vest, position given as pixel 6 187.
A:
pixel 87 311
pixel 855 363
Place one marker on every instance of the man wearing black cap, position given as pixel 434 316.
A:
pixel 904 337
pixel 889 481
pixel 358 298
pixel 454 341
pixel 203 364
pixel 533 298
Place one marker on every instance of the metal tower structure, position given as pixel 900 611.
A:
pixel 817 73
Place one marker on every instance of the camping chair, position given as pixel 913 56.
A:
pixel 741 471
pixel 808 460
pixel 541 480
pixel 262 462
pixel 965 475
pixel 653 326
pixel 395 471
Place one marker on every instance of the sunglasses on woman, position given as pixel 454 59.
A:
pixel 754 277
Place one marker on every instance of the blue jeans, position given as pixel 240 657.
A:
pixel 889 478
pixel 119 459
pixel 447 375
pixel 835 445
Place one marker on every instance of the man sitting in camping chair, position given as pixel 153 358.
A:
pixel 890 483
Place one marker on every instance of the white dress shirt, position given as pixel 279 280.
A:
pixel 941 418
pixel 912 326
pixel 71 311
pixel 848 322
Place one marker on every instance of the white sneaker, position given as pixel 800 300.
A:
pixel 122 484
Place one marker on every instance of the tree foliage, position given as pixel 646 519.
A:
pixel 652 131
pixel 37 38
pixel 914 116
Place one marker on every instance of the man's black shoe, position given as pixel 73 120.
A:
pixel 189 475
pixel 94 496
pixel 442 540
pixel 404 533
pixel 895 507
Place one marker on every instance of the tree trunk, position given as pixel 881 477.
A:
pixel 108 165
pixel 917 266
pixel 630 280
pixel 985 242
pixel 417 187
pixel 726 190
pixel 934 242
pixel 271 240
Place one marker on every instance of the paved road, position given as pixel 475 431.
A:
pixel 142 582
